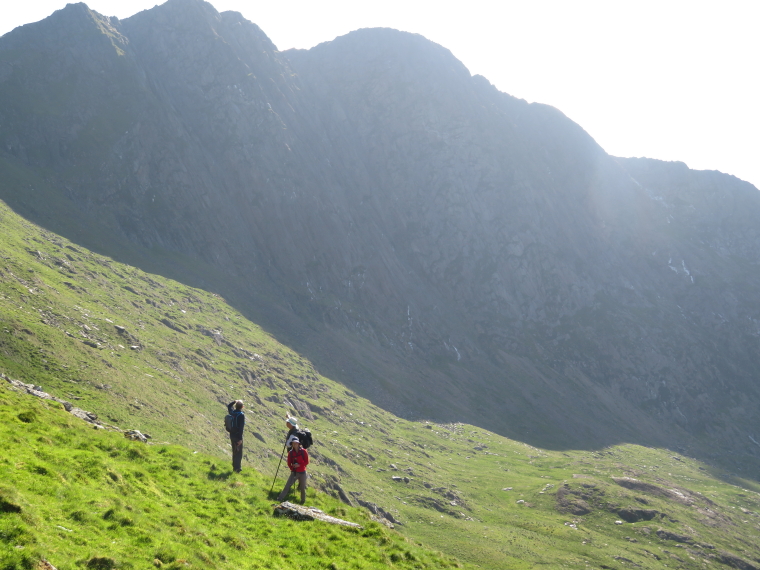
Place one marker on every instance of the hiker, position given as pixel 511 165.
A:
pixel 292 425
pixel 298 459
pixel 235 409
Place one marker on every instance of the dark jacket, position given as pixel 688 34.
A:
pixel 239 422
pixel 291 432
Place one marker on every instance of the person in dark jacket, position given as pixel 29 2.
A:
pixel 298 459
pixel 292 424
pixel 235 409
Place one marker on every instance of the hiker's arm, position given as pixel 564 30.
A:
pixel 305 458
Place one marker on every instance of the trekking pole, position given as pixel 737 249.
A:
pixel 278 468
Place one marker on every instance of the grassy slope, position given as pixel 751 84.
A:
pixel 84 498
pixel 60 306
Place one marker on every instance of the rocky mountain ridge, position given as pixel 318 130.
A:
pixel 443 248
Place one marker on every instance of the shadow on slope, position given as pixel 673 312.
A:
pixel 527 409
pixel 66 311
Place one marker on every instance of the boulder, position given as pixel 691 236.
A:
pixel 632 514
pixel 135 435
pixel 301 513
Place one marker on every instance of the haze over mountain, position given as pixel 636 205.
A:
pixel 447 250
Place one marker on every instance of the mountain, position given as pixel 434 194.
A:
pixel 126 350
pixel 444 249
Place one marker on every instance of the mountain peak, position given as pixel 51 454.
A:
pixel 185 14
pixel 71 19
pixel 74 27
pixel 178 21
pixel 397 48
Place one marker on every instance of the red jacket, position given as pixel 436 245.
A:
pixel 301 457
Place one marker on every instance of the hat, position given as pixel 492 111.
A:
pixel 292 421
pixel 295 440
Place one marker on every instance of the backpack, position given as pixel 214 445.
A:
pixel 230 420
pixel 304 437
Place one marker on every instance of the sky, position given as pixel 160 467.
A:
pixel 665 79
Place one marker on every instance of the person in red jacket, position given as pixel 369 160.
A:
pixel 298 459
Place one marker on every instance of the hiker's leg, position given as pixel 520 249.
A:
pixel 237 454
pixel 302 485
pixel 286 489
pixel 238 457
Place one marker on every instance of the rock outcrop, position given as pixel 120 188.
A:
pixel 301 513
pixel 89 417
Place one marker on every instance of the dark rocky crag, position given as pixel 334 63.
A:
pixel 447 250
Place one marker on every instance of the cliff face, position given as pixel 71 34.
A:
pixel 447 249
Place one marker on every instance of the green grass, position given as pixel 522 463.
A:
pixel 68 320
pixel 92 499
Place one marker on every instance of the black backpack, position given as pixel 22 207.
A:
pixel 304 437
pixel 230 421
